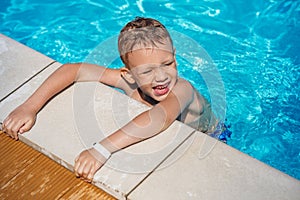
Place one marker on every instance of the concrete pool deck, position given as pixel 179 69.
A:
pixel 179 163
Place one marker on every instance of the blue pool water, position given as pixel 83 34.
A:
pixel 254 44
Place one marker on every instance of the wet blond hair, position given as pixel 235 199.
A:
pixel 142 33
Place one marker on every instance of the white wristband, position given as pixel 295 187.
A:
pixel 102 150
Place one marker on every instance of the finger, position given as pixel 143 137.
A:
pixel 76 159
pixel 94 169
pixel 15 131
pixel 76 167
pixel 80 168
pixel 26 126
pixel 6 127
pixel 3 128
pixel 91 174
pixel 12 128
pixel 6 121
pixel 86 170
pixel 7 131
pixel 16 136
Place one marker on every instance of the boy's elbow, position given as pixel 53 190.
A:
pixel 162 117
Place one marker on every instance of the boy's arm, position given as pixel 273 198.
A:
pixel 145 125
pixel 23 117
pixel 153 121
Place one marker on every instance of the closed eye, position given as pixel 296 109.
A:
pixel 169 63
pixel 146 72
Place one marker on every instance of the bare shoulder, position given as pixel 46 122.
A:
pixel 183 93
pixel 183 81
pixel 183 87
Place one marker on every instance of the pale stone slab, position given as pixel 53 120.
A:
pixel 213 170
pixel 18 63
pixel 85 113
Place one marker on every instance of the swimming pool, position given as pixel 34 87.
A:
pixel 254 45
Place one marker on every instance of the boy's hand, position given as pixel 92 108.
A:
pixel 88 163
pixel 18 121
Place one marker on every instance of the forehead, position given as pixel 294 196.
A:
pixel 165 45
pixel 152 54
pixel 142 57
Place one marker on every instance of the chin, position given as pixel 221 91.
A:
pixel 160 98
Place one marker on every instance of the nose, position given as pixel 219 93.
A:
pixel 160 75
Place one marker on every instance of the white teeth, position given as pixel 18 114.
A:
pixel 160 87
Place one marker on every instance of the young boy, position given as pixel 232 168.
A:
pixel 149 76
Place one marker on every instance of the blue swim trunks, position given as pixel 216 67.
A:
pixel 222 132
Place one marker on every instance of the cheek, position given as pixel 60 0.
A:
pixel 173 69
pixel 173 72
pixel 144 82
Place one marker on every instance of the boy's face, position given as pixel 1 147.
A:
pixel 154 70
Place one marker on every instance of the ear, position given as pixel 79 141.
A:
pixel 126 74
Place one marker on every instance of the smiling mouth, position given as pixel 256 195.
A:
pixel 161 89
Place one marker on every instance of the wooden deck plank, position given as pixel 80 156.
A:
pixel 10 162
pixel 28 174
